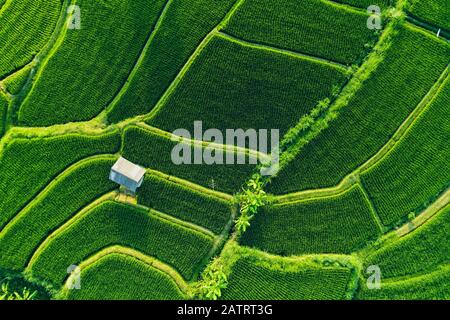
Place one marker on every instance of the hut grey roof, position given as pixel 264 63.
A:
pixel 128 169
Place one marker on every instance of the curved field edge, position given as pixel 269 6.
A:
pixel 172 275
pixel 254 280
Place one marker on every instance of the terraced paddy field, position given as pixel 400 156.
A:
pixel 359 207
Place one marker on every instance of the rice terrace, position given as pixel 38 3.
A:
pixel 322 170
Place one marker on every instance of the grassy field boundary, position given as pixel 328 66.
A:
pixel 148 260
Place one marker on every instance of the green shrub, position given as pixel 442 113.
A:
pixel 26 27
pixel 70 194
pixel 92 63
pixel 335 224
pixel 184 203
pixel 372 116
pixel 104 280
pixel 235 86
pixel 314 27
pixel 418 168
pixel 112 223
pixel 27 165
pixel 150 150
pixel 183 27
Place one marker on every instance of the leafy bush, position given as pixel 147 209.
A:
pixel 112 223
pixel 418 168
pixel 41 159
pixel 184 203
pixel 104 280
pixel 64 199
pixel 183 27
pixel 334 224
pixel 150 150
pixel 92 63
pixel 315 27
pixel 26 27
pixel 248 88
pixel 372 116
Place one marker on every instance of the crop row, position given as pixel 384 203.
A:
pixel 433 286
pixel 26 27
pixel 305 28
pixel 40 160
pixel 69 194
pixel 255 278
pixel 104 280
pixel 3 109
pixel 364 4
pixel 421 251
pixel 89 66
pixel 335 224
pixel 15 82
pixel 152 151
pixel 193 206
pixel 233 85
pixel 111 223
pixel 417 168
pixel 182 29
pixel 434 11
pixel 372 115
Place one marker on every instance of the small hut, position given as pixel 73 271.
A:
pixel 127 174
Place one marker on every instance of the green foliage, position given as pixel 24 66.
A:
pixel 16 82
pixel 435 12
pixel 104 280
pixel 64 199
pixel 247 88
pixel 113 223
pixel 253 278
pixel 315 27
pixel 213 282
pixel 152 151
pixel 183 27
pixel 334 224
pixel 421 251
pixel 92 63
pixel 418 168
pixel 26 27
pixel 184 203
pixel 41 159
pixel 370 118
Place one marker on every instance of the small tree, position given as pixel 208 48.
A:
pixel 214 280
